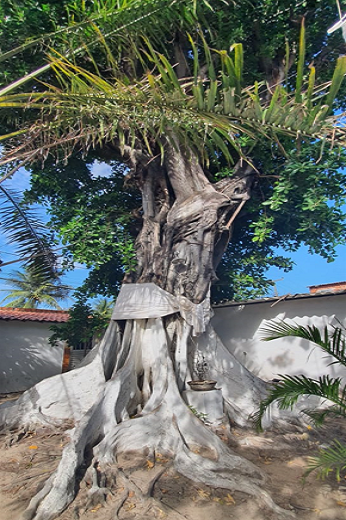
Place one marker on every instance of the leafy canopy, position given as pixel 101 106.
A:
pixel 172 80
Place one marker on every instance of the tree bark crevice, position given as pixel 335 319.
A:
pixel 186 223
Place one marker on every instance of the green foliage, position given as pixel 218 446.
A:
pixel 80 29
pixel 21 227
pixel 104 308
pixel 84 323
pixel 102 241
pixel 22 22
pixel 88 111
pixel 307 196
pixel 329 460
pixel 296 200
pixel 242 271
pixel 269 31
pixel 299 191
pixel 290 388
pixel 33 288
pixel 95 216
pixel 332 343
pixel 202 416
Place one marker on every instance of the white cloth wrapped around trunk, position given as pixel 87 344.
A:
pixel 148 300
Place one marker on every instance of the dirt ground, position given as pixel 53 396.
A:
pixel 27 463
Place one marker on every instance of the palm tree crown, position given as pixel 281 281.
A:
pixel 31 289
pixel 104 307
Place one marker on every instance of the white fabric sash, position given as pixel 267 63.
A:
pixel 148 300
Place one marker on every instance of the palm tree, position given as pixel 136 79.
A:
pixel 102 313
pixel 32 289
pixel 104 308
pixel 332 340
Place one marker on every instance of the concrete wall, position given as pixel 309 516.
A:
pixel 26 355
pixel 238 327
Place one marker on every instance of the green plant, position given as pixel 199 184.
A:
pixel 31 238
pixel 332 340
pixel 202 416
pixel 85 322
pixel 328 460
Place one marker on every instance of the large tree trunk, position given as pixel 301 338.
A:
pixel 128 395
pixel 186 223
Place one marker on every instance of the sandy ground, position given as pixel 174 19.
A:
pixel 27 463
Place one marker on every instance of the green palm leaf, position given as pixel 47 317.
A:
pixel 329 460
pixel 287 392
pixel 332 341
pixel 32 289
pixel 22 227
pixel 301 63
pixel 88 111
pixel 104 307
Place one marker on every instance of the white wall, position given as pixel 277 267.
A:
pixel 26 356
pixel 238 327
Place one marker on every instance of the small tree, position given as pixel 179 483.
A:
pixel 85 322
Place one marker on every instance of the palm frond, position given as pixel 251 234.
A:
pixel 329 460
pixel 32 288
pixel 123 19
pixel 319 416
pixel 337 346
pixel 23 228
pixel 287 392
pixel 18 302
pixel 282 329
pixel 301 64
pixel 88 111
pixel 104 307
pixel 332 342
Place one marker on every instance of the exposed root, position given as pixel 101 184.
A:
pixel 98 492
pixel 145 498
pixel 137 408
pixel 64 397
pixel 14 436
pixel 120 502
pixel 153 481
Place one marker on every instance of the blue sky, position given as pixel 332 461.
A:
pixel 19 183
pixel 309 269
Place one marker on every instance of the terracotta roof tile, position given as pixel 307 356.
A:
pixel 9 313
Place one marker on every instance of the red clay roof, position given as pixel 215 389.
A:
pixel 9 313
